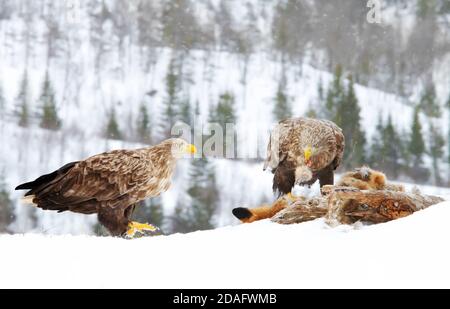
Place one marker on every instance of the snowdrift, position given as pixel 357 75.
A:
pixel 412 252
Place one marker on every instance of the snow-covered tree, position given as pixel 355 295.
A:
pixel 349 119
pixel 49 115
pixel 392 150
pixel 282 109
pixel 376 148
pixel 224 113
pixel 171 101
pixel 437 143
pixel 196 212
pixel 144 125
pixel 23 101
pixel 416 144
pixel 112 126
pixel 204 194
pixel 429 103
pixel 335 95
pixel 186 114
pixel 342 106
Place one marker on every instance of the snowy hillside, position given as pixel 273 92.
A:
pixel 35 152
pixel 407 253
pixel 97 66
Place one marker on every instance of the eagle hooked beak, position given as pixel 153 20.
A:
pixel 191 149
pixel 307 153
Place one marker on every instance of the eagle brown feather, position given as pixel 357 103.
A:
pixel 108 184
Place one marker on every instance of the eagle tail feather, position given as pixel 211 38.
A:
pixel 44 180
pixel 25 186
pixel 28 200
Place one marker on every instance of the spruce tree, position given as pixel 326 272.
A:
pixel 416 144
pixel 392 150
pixel 376 150
pixel 196 211
pixel 437 143
pixel 6 207
pixel 282 109
pixel 49 114
pixel 112 127
pixel 349 113
pixel 224 112
pixel 186 112
pixel 320 109
pixel 23 101
pixel 429 103
pixel 171 101
pixel 335 95
pixel 144 130
pixel 204 194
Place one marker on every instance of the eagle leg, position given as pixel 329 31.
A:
pixel 129 211
pixel 114 220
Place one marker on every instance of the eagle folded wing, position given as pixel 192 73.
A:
pixel 105 177
pixel 340 146
pixel 326 153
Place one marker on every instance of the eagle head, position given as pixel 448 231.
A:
pixel 179 147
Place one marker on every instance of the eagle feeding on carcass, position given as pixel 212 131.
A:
pixel 302 151
pixel 110 184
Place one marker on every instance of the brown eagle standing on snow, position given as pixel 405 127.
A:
pixel 110 184
pixel 302 151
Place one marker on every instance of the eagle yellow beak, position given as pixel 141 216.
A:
pixel 191 149
pixel 307 153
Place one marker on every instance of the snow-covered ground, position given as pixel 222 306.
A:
pixel 408 253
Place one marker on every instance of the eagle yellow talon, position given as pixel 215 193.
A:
pixel 135 227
